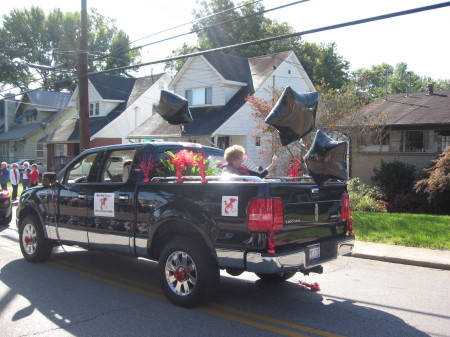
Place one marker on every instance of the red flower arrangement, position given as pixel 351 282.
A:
pixel 185 163
pixel 295 168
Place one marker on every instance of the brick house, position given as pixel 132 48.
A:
pixel 416 129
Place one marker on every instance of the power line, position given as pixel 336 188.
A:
pixel 197 20
pixel 285 36
pixel 202 29
pixel 280 37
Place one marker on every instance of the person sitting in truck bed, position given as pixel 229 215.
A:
pixel 234 156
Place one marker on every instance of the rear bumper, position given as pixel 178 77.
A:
pixel 277 263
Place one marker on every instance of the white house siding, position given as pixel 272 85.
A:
pixel 242 122
pixel 230 91
pixel 94 96
pixel 199 74
pixel 289 73
pixel 135 114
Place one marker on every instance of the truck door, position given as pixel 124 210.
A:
pixel 110 216
pixel 72 203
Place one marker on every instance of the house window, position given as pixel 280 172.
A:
pixel 414 141
pixel 94 109
pixel 60 150
pixel 445 142
pixel 4 150
pixel 39 150
pixel 200 96
pixel 223 142
pixel 258 141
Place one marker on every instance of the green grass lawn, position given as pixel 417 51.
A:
pixel 404 229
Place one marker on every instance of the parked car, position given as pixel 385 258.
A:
pixel 5 208
pixel 41 166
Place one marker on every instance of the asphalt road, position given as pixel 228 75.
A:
pixel 80 293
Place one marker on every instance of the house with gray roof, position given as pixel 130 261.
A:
pixel 416 129
pixel 26 121
pixel 216 86
pixel 117 105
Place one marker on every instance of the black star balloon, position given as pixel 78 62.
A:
pixel 326 159
pixel 173 108
pixel 294 115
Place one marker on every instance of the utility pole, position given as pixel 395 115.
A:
pixel 83 80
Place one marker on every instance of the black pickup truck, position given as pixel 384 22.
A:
pixel 272 227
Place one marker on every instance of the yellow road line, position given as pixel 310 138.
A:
pixel 255 324
pixel 123 279
pixel 75 268
pixel 109 281
pixel 275 321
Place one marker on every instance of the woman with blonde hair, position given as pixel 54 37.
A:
pixel 234 156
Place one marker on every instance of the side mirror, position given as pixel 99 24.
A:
pixel 49 179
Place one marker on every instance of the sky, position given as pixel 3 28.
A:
pixel 421 40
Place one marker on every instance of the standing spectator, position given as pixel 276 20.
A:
pixel 14 177
pixel 4 176
pixel 34 175
pixel 25 175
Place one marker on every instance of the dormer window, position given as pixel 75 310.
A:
pixel 199 96
pixel 94 109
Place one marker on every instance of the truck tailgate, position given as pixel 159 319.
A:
pixel 311 213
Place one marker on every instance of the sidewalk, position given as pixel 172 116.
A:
pixel 422 257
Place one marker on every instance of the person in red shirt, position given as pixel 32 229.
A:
pixel 34 175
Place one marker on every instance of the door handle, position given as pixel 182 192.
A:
pixel 123 197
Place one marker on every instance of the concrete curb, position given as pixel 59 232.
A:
pixel 422 257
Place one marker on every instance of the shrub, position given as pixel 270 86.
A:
pixel 404 203
pixel 436 184
pixel 363 197
pixel 394 178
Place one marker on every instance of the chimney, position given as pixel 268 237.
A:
pixel 430 89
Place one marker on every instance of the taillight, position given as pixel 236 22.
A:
pixel 346 213
pixel 5 193
pixel 265 215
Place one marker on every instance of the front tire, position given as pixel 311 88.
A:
pixel 187 272
pixel 276 278
pixel 33 244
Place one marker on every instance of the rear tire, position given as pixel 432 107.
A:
pixel 188 274
pixel 33 244
pixel 276 278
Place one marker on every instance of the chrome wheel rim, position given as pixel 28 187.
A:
pixel 181 273
pixel 29 239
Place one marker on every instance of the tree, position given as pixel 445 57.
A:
pixel 218 27
pixel 339 115
pixel 29 36
pixel 436 183
pixel 323 64
pixel 399 80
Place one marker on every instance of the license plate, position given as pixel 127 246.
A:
pixel 314 252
